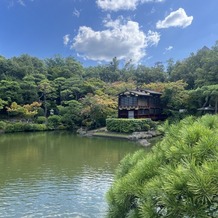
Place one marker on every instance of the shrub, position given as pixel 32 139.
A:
pixel 54 121
pixel 129 125
pixel 15 127
pixel 2 125
pixel 9 128
pixel 41 120
pixel 32 127
pixel 24 127
pixel 38 127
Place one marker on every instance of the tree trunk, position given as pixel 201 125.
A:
pixel 216 105
pixel 207 99
pixel 45 105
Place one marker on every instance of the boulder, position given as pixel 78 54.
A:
pixel 144 142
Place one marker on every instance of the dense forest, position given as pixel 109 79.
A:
pixel 33 89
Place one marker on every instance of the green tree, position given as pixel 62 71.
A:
pixel 211 93
pixel 71 114
pixel 178 178
pixel 197 70
pixel 59 84
pixel 19 67
pixel 110 72
pixel 92 72
pixel 29 89
pixel 72 89
pixel 208 72
pixel 149 75
pixel 2 103
pixel 91 85
pixel 10 91
pixel 203 97
pixel 46 91
pixel 170 66
pixel 174 96
pixel 127 72
pixel 63 67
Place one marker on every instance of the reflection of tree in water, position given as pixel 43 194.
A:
pixel 24 155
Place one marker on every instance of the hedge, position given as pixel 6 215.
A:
pixel 24 127
pixel 129 125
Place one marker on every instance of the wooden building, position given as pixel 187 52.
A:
pixel 140 103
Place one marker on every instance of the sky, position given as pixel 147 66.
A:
pixel 95 31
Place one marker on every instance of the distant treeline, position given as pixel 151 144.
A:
pixel 86 96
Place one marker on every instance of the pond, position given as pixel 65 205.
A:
pixel 57 174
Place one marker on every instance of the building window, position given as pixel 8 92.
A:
pixel 128 101
pixel 151 111
pixel 157 111
pixel 143 112
pixel 143 101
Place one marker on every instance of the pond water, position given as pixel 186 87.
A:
pixel 57 174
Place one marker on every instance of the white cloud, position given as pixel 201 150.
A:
pixel 21 2
pixel 153 38
pixel 177 18
pixel 116 5
pixel 153 10
pixel 169 48
pixel 76 12
pixel 13 3
pixel 66 39
pixel 121 39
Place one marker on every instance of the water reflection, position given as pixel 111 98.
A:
pixel 57 174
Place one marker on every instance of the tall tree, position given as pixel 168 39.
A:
pixel 10 91
pixel 46 91
pixel 63 67
pixel 59 84
pixel 71 114
pixel 29 89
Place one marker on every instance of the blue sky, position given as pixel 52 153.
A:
pixel 95 31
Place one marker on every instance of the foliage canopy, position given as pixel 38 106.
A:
pixel 185 84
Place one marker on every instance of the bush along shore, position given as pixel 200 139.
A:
pixel 140 130
pixel 41 124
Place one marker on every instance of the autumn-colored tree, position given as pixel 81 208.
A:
pixel 96 108
pixel 27 111
pixel 119 86
pixel 15 109
pixel 31 109
pixel 174 96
